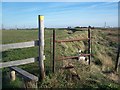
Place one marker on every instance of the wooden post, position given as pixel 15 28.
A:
pixel 89 44
pixel 41 46
pixel 12 75
pixel 117 59
pixel 54 50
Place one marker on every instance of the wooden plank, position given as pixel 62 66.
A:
pixel 25 74
pixel 71 40
pixel 19 45
pixel 17 62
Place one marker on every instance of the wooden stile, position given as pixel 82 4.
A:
pixel 30 80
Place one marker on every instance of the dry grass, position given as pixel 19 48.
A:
pixel 89 76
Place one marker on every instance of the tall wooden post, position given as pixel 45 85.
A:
pixel 41 46
pixel 54 50
pixel 89 44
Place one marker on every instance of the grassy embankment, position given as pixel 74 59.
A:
pixel 98 74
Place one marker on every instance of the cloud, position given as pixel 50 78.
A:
pixel 103 5
pixel 47 7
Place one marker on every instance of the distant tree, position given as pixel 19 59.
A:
pixel 77 27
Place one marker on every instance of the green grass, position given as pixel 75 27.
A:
pixel 15 36
pixel 103 58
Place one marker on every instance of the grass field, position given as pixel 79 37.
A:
pixel 99 74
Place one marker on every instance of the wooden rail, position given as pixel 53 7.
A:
pixel 19 45
pixel 25 74
pixel 30 80
pixel 71 40
pixel 17 62
pixel 72 57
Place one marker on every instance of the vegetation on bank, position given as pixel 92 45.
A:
pixel 100 74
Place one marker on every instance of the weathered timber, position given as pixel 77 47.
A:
pixel 26 75
pixel 41 46
pixel 17 62
pixel 12 75
pixel 19 45
pixel 30 80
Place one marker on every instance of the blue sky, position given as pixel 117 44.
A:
pixel 59 14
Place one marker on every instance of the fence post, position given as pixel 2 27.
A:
pixel 51 49
pixel 54 36
pixel 12 75
pixel 41 46
pixel 117 59
pixel 89 44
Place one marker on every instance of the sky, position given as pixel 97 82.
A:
pixel 59 14
pixel 60 0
